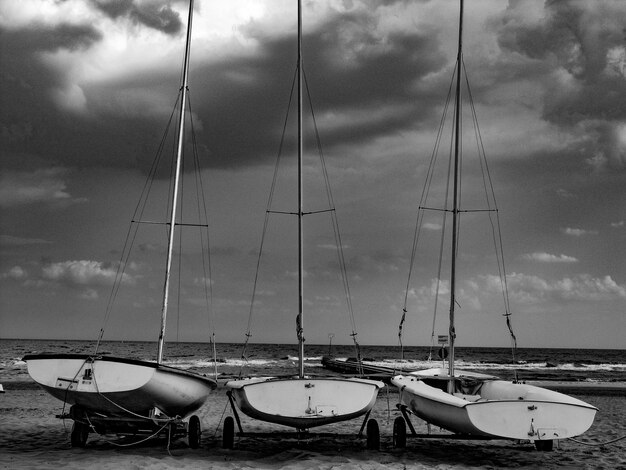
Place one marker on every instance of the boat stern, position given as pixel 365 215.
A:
pixel 304 403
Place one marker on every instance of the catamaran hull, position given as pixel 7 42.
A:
pixel 304 403
pixel 119 387
pixel 503 410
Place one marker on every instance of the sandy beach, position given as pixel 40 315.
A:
pixel 32 437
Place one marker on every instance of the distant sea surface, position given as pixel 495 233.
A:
pixel 596 365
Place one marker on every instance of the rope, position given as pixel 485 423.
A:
pixel 596 444
pixel 268 211
pixel 419 220
pixel 219 423
pixel 134 226
pixel 335 225
pixel 490 198
pixel 134 443
pixel 205 238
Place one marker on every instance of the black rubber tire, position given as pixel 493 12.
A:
pixel 228 437
pixel 373 435
pixel 194 432
pixel 544 446
pixel 399 433
pixel 80 432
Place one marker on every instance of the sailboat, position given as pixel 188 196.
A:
pixel 479 405
pixel 302 402
pixel 124 395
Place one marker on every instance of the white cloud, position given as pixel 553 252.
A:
pixel 84 275
pixel 583 287
pixel 430 291
pixel 543 257
pixel 16 272
pixel 578 232
pixel 89 294
pixel 41 186
pixel 564 194
pixel 82 272
pixel 70 97
pixel 202 281
pixel 431 226
pixel 527 289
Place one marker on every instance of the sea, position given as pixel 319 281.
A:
pixel 232 360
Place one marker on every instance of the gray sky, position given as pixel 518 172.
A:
pixel 87 88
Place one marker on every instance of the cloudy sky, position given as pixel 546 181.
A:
pixel 86 89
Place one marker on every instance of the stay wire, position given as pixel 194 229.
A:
pixel 335 224
pixel 490 197
pixel 420 212
pixel 444 224
pixel 134 225
pixel 266 223
pixel 205 239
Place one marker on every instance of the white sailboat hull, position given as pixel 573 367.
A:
pixel 497 409
pixel 304 403
pixel 119 387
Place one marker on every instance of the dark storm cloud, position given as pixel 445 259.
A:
pixel 41 37
pixel 586 40
pixel 380 71
pixel 155 15
pixel 28 120
pixel 240 102
pixel 246 100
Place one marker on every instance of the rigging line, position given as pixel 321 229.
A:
pixel 423 198
pixel 444 220
pixel 495 227
pixel 334 218
pixel 270 200
pixel 596 444
pixel 133 228
pixel 172 206
pixel 337 233
pixel 207 268
pixel 281 212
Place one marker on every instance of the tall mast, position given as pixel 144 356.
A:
pixel 455 204
pixel 300 322
pixel 179 157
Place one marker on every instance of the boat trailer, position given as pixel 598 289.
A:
pixel 86 422
pixel 370 425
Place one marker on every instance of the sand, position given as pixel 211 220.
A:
pixel 32 437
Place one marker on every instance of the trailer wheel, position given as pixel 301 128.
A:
pixel 228 437
pixel 194 432
pixel 544 446
pixel 373 435
pixel 399 433
pixel 80 431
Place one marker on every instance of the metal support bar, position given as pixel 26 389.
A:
pixel 402 409
pixel 367 415
pixel 234 408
